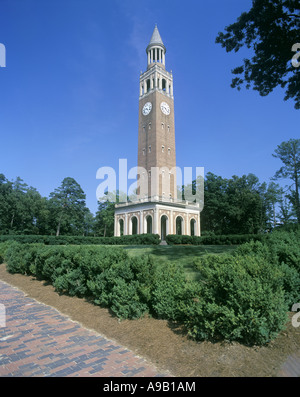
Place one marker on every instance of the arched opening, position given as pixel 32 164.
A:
pixel 121 227
pixel 164 223
pixel 164 85
pixel 149 224
pixel 134 225
pixel 193 227
pixel 179 225
pixel 148 85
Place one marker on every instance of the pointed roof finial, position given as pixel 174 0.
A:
pixel 156 39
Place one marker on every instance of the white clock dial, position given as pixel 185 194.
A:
pixel 147 108
pixel 165 108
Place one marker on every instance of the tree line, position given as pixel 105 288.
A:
pixel 237 205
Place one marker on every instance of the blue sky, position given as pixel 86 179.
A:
pixel 69 91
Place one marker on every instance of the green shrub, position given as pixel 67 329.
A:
pixel 169 288
pixel 281 251
pixel 286 246
pixel 137 239
pixel 133 278
pixel 3 248
pixel 126 301
pixel 241 298
pixel 20 257
pixel 212 239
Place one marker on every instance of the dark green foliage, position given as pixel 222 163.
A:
pixel 3 248
pixel 286 246
pixel 21 257
pixel 212 239
pixel 242 296
pixel 170 288
pixel 131 277
pixel 144 239
pixel 269 28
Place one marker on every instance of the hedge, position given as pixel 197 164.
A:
pixel 242 296
pixel 137 239
pixel 230 239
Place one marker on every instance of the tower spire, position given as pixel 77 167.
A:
pixel 156 50
pixel 156 39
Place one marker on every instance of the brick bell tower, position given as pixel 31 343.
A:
pixel 156 138
pixel 156 208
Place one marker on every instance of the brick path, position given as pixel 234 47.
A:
pixel 39 341
pixel 291 368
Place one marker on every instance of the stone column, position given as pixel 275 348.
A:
pixel 141 222
pixel 156 221
pixel 126 225
pixel 115 227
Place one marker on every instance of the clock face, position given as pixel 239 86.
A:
pixel 165 108
pixel 147 108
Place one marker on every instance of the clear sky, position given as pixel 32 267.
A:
pixel 69 92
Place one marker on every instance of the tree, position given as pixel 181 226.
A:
pixel 273 196
pixel 89 223
pixel 67 205
pixel 233 206
pixel 104 221
pixel 21 207
pixel 6 202
pixel 270 28
pixel 289 154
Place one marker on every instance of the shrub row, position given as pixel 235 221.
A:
pixel 230 239
pixel 137 239
pixel 245 296
pixel 242 296
pixel 108 276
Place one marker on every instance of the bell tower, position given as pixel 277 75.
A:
pixel 156 135
pixel 156 208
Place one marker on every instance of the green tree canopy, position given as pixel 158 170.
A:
pixel 67 205
pixel 270 28
pixel 22 209
pixel 234 206
pixel 289 153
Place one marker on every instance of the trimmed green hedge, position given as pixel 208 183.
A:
pixel 137 239
pixel 230 239
pixel 243 296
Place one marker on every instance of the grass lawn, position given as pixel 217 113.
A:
pixel 181 254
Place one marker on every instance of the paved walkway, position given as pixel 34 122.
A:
pixel 37 340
